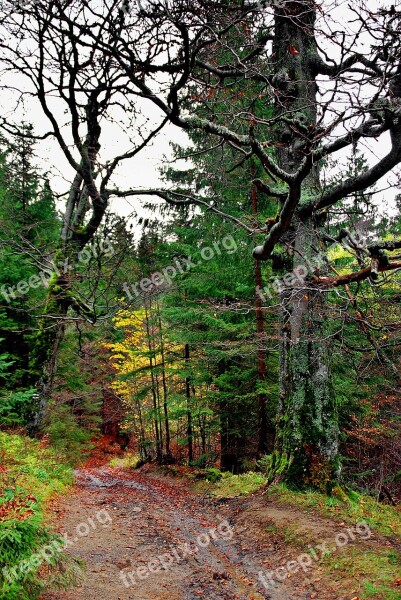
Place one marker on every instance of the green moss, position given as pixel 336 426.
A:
pixel 81 230
pixel 42 342
pixel 374 571
pixel 232 486
pixel 347 506
pixel 130 460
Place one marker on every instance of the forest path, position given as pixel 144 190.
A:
pixel 148 537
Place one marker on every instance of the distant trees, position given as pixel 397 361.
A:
pixel 186 364
pixel 29 225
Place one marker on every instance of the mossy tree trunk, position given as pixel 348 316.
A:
pixel 307 425
pixel 266 430
pixel 75 235
pixel 43 359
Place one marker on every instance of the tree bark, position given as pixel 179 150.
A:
pixel 189 409
pixel 156 407
pixel 307 436
pixel 46 350
pixel 43 360
pixel 165 391
pixel 266 431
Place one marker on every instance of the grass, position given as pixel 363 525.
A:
pixel 30 476
pixel 375 570
pixel 130 460
pixel 232 486
pixel 381 518
pixel 375 566
pixel 371 569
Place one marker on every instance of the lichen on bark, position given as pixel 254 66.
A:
pixel 307 424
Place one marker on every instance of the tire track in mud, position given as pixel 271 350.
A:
pixel 174 546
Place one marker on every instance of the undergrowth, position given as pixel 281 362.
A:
pixel 30 475
pixel 231 486
pixel 381 518
pixel 130 460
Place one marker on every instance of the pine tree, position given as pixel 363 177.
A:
pixel 29 228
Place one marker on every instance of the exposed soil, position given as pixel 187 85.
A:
pixel 119 520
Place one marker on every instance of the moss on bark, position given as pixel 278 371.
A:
pixel 307 425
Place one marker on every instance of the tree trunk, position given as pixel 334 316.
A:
pixel 44 384
pixel 156 408
pixel 231 443
pixel 143 447
pixel 307 437
pixel 43 360
pixel 266 432
pixel 164 382
pixel 202 432
pixel 189 408
pixel 74 236
pixel 111 413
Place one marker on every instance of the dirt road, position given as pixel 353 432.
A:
pixel 148 538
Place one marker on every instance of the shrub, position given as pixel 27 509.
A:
pixel 29 475
pixel 265 463
pixel 16 407
pixel 213 475
pixel 70 441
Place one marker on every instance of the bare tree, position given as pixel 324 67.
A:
pixel 79 92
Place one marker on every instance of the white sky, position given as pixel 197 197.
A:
pixel 142 171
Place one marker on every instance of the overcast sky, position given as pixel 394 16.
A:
pixel 142 171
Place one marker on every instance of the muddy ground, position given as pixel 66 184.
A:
pixel 146 536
